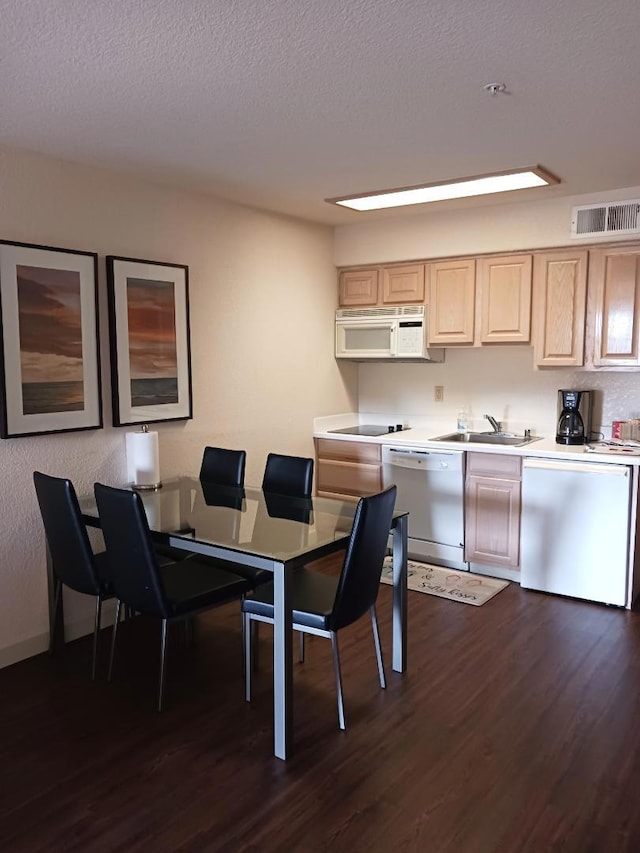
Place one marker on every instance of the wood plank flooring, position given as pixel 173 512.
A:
pixel 516 728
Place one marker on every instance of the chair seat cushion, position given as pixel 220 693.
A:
pixel 312 598
pixel 191 585
pixel 165 553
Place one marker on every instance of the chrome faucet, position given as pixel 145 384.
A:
pixel 497 426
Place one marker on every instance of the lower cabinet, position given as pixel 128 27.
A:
pixel 347 469
pixel 492 509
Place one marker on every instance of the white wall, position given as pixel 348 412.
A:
pixel 500 381
pixel 262 294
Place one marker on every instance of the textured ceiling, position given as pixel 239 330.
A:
pixel 282 103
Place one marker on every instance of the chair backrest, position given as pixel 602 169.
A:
pixel 288 475
pixel 360 577
pixel 222 466
pixel 66 533
pixel 132 561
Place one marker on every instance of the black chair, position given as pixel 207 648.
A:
pixel 322 604
pixel 223 467
pixel 174 592
pixel 288 475
pixel 72 558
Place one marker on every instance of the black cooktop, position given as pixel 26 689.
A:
pixel 369 430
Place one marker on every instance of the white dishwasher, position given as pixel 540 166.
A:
pixel 574 537
pixel 431 488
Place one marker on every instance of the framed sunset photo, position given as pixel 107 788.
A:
pixel 50 372
pixel 149 341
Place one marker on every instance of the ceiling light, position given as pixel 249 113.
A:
pixel 497 182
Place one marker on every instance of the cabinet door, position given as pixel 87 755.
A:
pixel 614 307
pixel 492 521
pixel 358 287
pixel 350 469
pixel 504 285
pixel 451 302
pixel 403 283
pixel 559 298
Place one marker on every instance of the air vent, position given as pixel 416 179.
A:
pixel 390 311
pixel 615 218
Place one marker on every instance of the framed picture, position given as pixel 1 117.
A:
pixel 50 358
pixel 149 341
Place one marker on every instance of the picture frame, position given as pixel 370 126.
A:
pixel 50 354
pixel 149 341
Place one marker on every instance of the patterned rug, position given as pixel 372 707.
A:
pixel 447 583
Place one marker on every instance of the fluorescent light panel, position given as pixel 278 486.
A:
pixel 499 182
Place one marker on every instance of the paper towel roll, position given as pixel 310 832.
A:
pixel 143 461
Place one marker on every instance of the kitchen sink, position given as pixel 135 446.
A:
pixel 502 438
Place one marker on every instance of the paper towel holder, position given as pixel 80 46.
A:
pixel 146 487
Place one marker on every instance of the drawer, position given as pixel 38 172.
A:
pixel 500 465
pixel 348 478
pixel 348 451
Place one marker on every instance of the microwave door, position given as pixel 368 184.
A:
pixel 365 340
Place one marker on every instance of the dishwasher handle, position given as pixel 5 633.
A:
pixel 425 460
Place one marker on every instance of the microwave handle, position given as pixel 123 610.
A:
pixel 393 340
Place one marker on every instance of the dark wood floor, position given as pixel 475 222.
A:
pixel 516 728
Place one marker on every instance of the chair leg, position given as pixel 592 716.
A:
pixel 336 669
pixel 57 592
pixel 301 646
pixel 163 659
pixel 376 640
pixel 246 631
pixel 96 629
pixel 113 639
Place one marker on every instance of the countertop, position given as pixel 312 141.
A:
pixel 545 448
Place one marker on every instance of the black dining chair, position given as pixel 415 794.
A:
pixel 322 604
pixel 174 592
pixel 288 475
pixel 223 467
pixel 73 561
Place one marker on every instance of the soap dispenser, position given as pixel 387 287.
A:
pixel 462 421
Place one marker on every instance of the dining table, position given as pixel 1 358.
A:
pixel 273 532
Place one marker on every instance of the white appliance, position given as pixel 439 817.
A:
pixel 431 487
pixel 398 332
pixel 574 536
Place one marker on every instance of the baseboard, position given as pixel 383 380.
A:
pixel 40 643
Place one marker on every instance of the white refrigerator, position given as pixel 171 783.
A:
pixel 575 529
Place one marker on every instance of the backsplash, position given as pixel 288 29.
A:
pixel 499 381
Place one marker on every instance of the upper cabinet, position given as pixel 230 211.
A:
pixel 403 283
pixel 559 308
pixel 358 287
pixel 452 287
pixel 504 298
pixel 483 301
pixel 397 284
pixel 613 311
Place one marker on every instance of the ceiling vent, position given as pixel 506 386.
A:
pixel 614 218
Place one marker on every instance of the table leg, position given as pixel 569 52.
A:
pixel 282 664
pixel 400 547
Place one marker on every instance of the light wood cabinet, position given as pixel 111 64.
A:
pixel 492 509
pixel 350 469
pixel 452 288
pixel 358 287
pixel 397 284
pixel 613 309
pixel 403 284
pixel 504 297
pixel 559 308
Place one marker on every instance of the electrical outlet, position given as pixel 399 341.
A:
pixel 438 393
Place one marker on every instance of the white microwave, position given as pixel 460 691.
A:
pixel 394 332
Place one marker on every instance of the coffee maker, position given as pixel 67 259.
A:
pixel 574 417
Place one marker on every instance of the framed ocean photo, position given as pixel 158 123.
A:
pixel 149 341
pixel 50 358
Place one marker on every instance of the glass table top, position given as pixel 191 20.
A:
pixel 247 520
